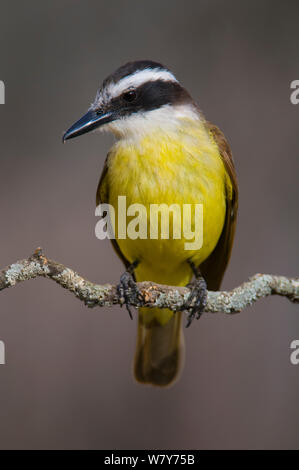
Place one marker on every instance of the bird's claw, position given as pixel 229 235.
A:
pixel 128 292
pixel 197 300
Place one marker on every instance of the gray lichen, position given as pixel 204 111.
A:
pixel 154 295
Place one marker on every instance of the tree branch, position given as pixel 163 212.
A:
pixel 154 295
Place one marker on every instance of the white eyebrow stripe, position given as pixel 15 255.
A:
pixel 139 78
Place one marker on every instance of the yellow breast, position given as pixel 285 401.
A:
pixel 178 168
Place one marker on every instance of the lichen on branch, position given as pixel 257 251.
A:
pixel 153 295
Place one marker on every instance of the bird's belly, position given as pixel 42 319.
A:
pixel 162 256
pixel 177 181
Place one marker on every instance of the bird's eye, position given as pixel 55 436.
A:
pixel 129 96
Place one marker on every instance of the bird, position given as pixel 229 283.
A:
pixel 165 152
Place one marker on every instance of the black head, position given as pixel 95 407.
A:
pixel 133 89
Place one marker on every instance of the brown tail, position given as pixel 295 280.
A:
pixel 158 357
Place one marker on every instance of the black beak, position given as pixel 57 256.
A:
pixel 90 121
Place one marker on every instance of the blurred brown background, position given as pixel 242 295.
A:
pixel 68 380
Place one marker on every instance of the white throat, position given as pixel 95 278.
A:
pixel 169 119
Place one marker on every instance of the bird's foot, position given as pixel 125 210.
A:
pixel 128 291
pixel 197 300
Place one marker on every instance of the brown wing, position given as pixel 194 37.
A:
pixel 103 197
pixel 213 268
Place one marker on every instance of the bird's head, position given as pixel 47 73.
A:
pixel 135 98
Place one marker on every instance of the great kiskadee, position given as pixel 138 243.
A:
pixel 165 153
